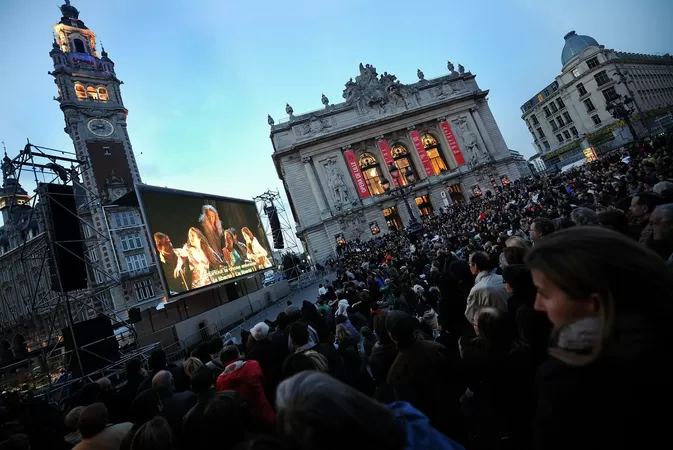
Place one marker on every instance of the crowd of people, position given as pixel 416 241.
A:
pixel 533 318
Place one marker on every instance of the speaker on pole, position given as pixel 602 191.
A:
pixel 274 221
pixel 67 266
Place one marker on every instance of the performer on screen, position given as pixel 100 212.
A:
pixel 169 260
pixel 212 228
pixel 231 255
pixel 256 253
pixel 200 257
pixel 240 246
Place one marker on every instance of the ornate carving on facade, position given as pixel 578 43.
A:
pixel 325 101
pixel 352 224
pixel 91 112
pixel 448 88
pixel 370 93
pixel 315 125
pixel 306 160
pixel 336 183
pixel 451 67
pixel 461 69
pixel 470 141
pixel 289 111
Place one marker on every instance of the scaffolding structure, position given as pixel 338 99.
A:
pixel 41 302
pixel 272 198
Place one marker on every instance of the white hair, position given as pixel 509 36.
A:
pixel 163 379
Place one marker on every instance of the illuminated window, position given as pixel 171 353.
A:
pixel 91 93
pixel 79 45
pixel 80 92
pixel 402 161
pixel 102 94
pixel 435 156
pixel 371 173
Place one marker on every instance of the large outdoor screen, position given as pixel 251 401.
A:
pixel 202 239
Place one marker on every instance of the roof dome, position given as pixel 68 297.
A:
pixel 575 44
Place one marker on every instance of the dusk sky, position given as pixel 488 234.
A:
pixel 200 77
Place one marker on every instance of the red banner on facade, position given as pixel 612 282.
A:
pixel 387 157
pixel 453 145
pixel 427 165
pixel 353 166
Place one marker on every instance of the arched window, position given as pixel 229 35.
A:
pixel 102 94
pixel 434 153
pixel 80 91
pixel 79 45
pixel 402 161
pixel 371 173
pixel 91 93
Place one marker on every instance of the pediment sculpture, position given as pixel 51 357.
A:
pixel 370 93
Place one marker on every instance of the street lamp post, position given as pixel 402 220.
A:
pixel 401 192
pixel 622 108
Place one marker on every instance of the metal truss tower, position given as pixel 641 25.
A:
pixel 45 309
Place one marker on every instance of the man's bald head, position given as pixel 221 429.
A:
pixel 163 379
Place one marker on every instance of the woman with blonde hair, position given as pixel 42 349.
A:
pixel 256 253
pixel 191 366
pixel 517 241
pixel 610 301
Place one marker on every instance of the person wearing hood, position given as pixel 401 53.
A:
pixel 246 378
pixel 316 411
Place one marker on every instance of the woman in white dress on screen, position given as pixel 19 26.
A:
pixel 256 252
pixel 200 257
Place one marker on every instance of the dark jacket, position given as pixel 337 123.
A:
pixel 619 401
pixel 174 407
pixel 423 375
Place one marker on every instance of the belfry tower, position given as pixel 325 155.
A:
pixel 95 119
pixel 90 97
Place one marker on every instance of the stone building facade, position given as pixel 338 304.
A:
pixel 571 112
pixel 334 162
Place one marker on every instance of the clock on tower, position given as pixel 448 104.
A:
pixel 90 98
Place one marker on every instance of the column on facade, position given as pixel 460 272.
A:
pixel 315 187
pixel 481 129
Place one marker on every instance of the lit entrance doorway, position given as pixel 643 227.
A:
pixel 393 219
pixel 456 196
pixel 424 205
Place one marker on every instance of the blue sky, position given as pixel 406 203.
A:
pixel 201 76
